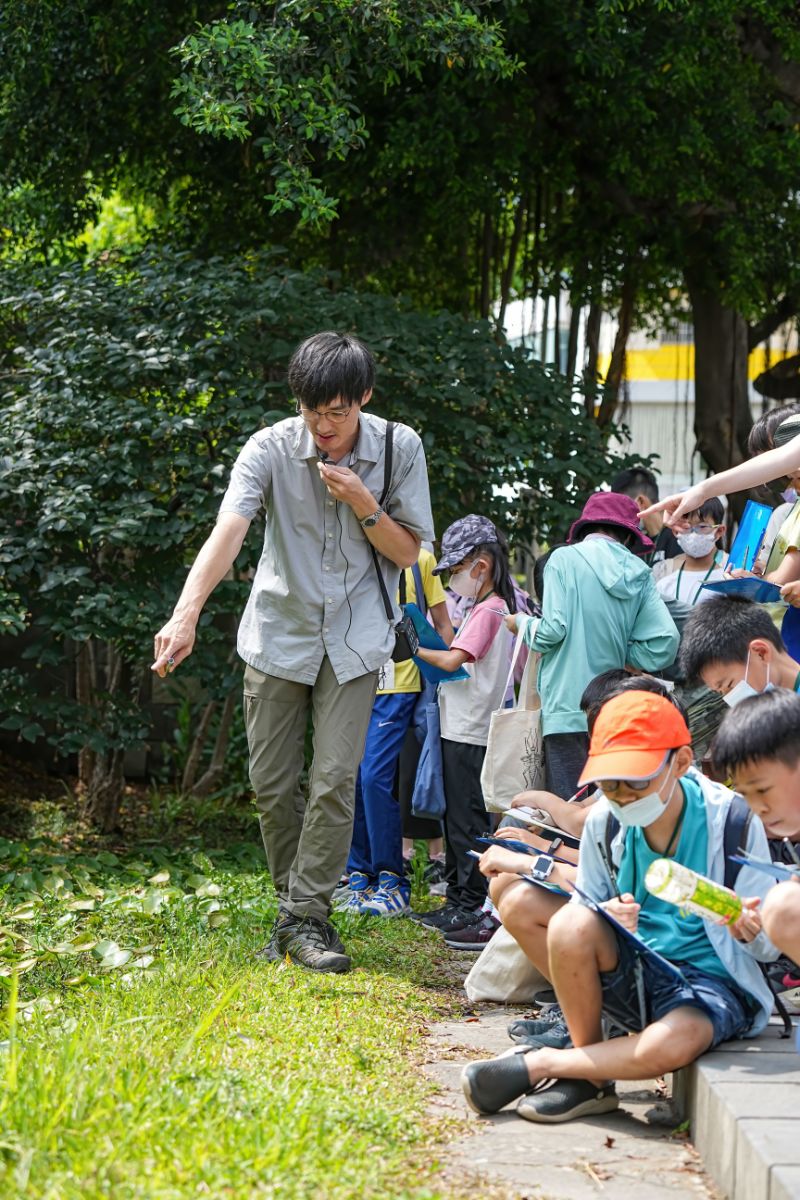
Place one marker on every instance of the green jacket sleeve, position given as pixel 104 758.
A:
pixel 552 627
pixel 654 639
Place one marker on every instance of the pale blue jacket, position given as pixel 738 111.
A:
pixel 738 958
pixel 600 610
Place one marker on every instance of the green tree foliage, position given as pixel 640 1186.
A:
pixel 225 119
pixel 131 385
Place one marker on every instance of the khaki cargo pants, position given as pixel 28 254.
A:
pixel 307 841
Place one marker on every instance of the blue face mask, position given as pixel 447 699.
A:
pixel 642 812
pixel 790 496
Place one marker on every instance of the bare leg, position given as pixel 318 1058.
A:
pixel 580 945
pixel 526 913
pixel 668 1044
pixel 781 917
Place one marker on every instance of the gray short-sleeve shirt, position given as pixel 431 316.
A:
pixel 315 591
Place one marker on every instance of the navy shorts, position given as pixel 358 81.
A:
pixel 729 1009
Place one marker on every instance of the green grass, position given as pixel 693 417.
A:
pixel 145 1053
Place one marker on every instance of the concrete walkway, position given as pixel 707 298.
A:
pixel 743 1101
pixel 628 1155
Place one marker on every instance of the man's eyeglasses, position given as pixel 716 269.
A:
pixel 312 415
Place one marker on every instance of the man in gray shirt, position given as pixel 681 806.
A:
pixel 315 632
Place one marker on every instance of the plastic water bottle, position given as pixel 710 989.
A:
pixel 679 885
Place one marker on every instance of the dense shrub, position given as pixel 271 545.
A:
pixel 128 388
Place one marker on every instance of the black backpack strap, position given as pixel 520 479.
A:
pixel 609 833
pixel 403 592
pixel 737 828
pixel 387 479
pixel 419 588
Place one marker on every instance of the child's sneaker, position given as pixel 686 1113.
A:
pixel 358 889
pixel 391 898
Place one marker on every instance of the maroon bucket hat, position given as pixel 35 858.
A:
pixel 610 508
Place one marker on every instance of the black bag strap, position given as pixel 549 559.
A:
pixel 403 592
pixel 419 588
pixel 737 827
pixel 387 479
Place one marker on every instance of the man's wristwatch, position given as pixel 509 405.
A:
pixel 372 519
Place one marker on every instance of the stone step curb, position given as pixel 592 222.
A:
pixel 743 1104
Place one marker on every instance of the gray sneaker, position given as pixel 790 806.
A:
pixel 523 1030
pixel 308 942
pixel 555 1037
pixel 557 1100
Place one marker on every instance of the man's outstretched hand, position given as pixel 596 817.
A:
pixel 173 644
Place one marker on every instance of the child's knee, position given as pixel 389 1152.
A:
pixel 781 914
pixel 676 1040
pixel 571 927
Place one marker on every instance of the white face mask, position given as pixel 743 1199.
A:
pixel 696 545
pixel 644 811
pixel 463 583
pixel 743 689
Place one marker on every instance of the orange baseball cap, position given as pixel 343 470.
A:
pixel 632 736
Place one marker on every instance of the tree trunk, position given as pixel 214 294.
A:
pixel 85 685
pixel 216 768
pixel 511 261
pixel 572 339
pixel 592 353
pixel 106 786
pixel 722 416
pixel 487 246
pixel 616 368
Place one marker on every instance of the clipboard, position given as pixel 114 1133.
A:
pixel 430 639
pixel 751 587
pixel 776 870
pixel 655 961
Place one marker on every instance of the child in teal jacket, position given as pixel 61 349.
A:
pixel 600 610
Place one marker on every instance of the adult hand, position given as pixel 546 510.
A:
pixel 512 622
pixel 625 909
pixel 675 508
pixel 343 484
pixel 739 573
pixel 173 644
pixel 790 592
pixel 748 926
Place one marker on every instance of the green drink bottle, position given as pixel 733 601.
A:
pixel 679 885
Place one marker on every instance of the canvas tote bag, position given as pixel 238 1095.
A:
pixel 502 972
pixel 514 759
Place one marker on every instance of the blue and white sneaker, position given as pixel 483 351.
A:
pixel 391 898
pixel 358 889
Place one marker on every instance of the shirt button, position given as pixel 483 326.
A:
pixel 330 504
pixel 330 599
pixel 327 568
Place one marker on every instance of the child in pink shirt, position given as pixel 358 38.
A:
pixel 476 556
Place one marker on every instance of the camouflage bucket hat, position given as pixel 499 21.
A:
pixel 460 538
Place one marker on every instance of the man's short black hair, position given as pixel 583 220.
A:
pixel 766 726
pixel 636 481
pixel 615 682
pixel 720 631
pixel 331 366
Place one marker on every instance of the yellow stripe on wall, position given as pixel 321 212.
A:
pixel 675 361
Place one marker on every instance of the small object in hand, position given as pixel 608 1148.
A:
pixel 170 664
